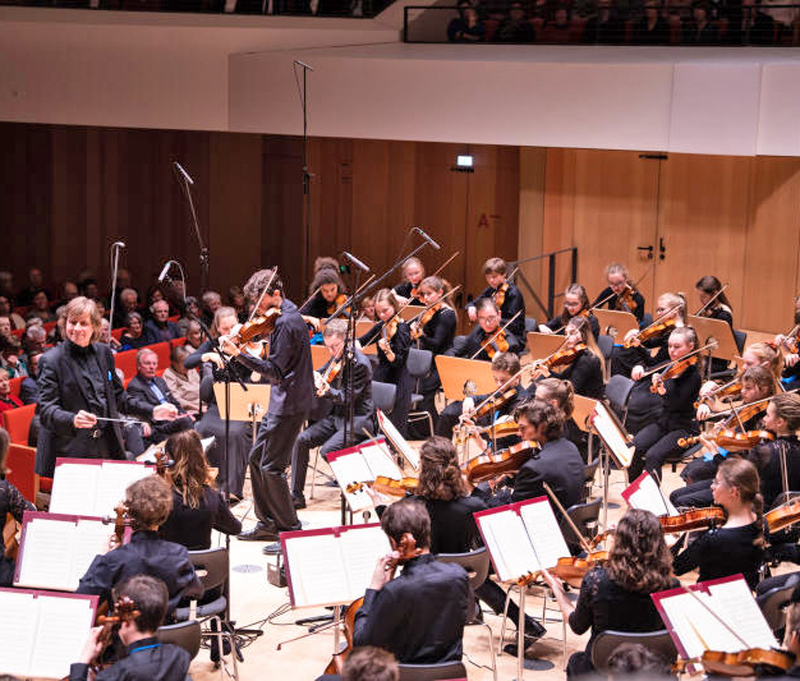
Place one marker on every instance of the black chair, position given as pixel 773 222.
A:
pixel 530 325
pixel 476 563
pixel 659 642
pixel 432 672
pixel 418 365
pixel 383 396
pixel 773 602
pixel 589 472
pixel 585 517
pixel 213 569
pixel 740 337
pixel 606 345
pixel 618 392
pixel 184 634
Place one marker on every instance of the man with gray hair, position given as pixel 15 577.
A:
pixel 128 302
pixel 159 326
pixel 148 387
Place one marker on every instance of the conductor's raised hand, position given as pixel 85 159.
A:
pixel 84 419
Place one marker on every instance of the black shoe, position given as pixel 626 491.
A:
pixel 259 533
pixel 533 629
pixel 233 500
pixel 299 502
pixel 511 648
pixel 272 549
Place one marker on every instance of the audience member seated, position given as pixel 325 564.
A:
pixel 515 28
pixel 197 505
pixel 191 312
pixel 11 358
pixel 211 302
pixel 35 283
pixel 148 503
pixel 17 322
pixel 69 290
pixel 152 389
pixel 652 29
pixel 128 302
pixel 699 30
pixel 34 340
pixel 605 28
pixel 559 29
pixel 136 336
pixel 145 658
pixel 7 400
pixel 29 389
pixel 183 383
pixel 158 326
pixel 194 336
pixel 5 327
pixel 40 309
pixel 467 27
pixel 758 28
pixel 11 503
pixel 237 301
pixel 7 289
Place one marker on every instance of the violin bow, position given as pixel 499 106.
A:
pixel 263 293
pixel 446 263
pixel 449 293
pixel 669 365
pixel 583 541
pixel 710 300
pixel 485 344
pixel 719 619
pixel 729 412
pixel 308 300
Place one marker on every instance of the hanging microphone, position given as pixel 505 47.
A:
pixel 164 271
pixel 118 244
pixel 303 64
pixel 355 261
pixel 427 238
pixel 180 169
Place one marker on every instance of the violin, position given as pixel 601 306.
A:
pixel 495 344
pixel 335 304
pixel 326 379
pixel 653 331
pixel 572 570
pixel 490 404
pixel 563 357
pixel 732 388
pixel 673 371
pixel 695 519
pixel 750 662
pixel 625 300
pixel 388 486
pixel 256 328
pixel 499 295
pixel 502 429
pixel 389 329
pixel 427 316
pixel 489 465
pixel 729 439
pixel 783 516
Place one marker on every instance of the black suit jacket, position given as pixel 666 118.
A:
pixel 139 388
pixel 62 394
pixel 362 389
pixel 154 331
pixel 29 391
pixel 472 343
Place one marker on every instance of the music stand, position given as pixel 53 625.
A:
pixel 543 345
pixel 455 372
pixel 617 321
pixel 319 355
pixel 244 406
pixel 718 330
pixel 411 311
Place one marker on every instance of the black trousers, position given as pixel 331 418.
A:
pixel 269 459
pixel 654 445
pixel 695 495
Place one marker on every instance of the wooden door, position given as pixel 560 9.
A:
pixel 702 224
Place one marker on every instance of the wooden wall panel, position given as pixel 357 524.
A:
pixel 532 170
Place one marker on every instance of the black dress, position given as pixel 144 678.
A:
pixel 11 501
pixel 404 290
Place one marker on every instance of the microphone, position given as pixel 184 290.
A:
pixel 164 271
pixel 355 261
pixel 180 169
pixel 427 238
pixel 303 64
pixel 118 244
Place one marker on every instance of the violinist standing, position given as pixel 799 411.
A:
pixel 484 341
pixel 656 442
pixel 393 338
pixel 576 303
pixel 332 396
pixel 505 295
pixel 620 294
pixel 290 371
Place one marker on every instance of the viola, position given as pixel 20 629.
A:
pixel 335 304
pixel 695 519
pixel 489 465
pixel 750 662
pixel 729 439
pixel 495 344
pixel 653 331
pixel 783 516
pixel 499 295
pixel 673 371
pixel 387 486
pixel 625 300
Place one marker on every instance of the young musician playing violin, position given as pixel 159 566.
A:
pixel 506 296
pixel 413 274
pixel 616 595
pixel 328 293
pixel 11 503
pixel 146 658
pixel 290 371
pixel 367 309
pixel 576 303
pixel 738 545
pixel 419 615
pixel 585 372
pixel 789 344
pixel 433 331
pixel 715 305
pixel 327 432
pixel 393 338
pixel 620 294
pixel 488 337
pixel 657 441
pixel 148 503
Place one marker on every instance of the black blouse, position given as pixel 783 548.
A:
pixel 386 371
pixel 611 303
pixel 437 335
pixel 585 374
pixel 559 323
pixel 191 527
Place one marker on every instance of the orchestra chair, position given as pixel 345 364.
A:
pixel 589 472
pixel 432 672
pixel 659 642
pixel 20 471
pixel 618 392
pixel 213 569
pixel 418 365
pixel 741 338
pixel 15 384
pixel 383 395
pixel 585 516
pixel 606 344
pixel 647 320
pixel 476 563
pixel 530 325
pixel 19 333
pixel 773 602
pixel 126 361
pixel 18 423
pixel 186 635
pixel 175 342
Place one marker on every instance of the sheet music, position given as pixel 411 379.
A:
pixel 352 468
pixel 545 534
pixel 380 462
pixel 63 627
pixel 648 497
pixel 609 432
pixel 743 614
pixel 91 540
pixel 361 549
pixel 48 555
pixel 508 544
pixel 74 485
pixel 115 479
pixel 409 453
pixel 17 633
pixel 318 573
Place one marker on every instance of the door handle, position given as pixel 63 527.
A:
pixel 649 250
pixel 661 249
